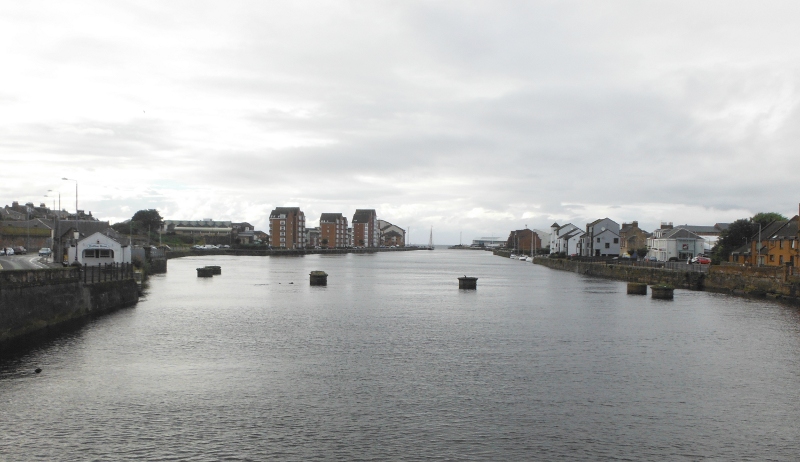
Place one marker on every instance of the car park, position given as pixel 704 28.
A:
pixel 45 252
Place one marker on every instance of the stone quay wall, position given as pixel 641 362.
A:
pixel 32 301
pixel 771 282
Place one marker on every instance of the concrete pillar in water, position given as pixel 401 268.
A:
pixel 318 278
pixel 468 283
pixel 204 272
pixel 662 292
pixel 637 288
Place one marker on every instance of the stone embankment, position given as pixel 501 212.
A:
pixel 771 282
pixel 33 301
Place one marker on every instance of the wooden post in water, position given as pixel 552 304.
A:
pixel 637 288
pixel 468 283
pixel 318 278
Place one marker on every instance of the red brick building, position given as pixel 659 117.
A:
pixel 365 228
pixel 287 228
pixel 333 230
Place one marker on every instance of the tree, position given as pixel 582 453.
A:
pixel 147 220
pixel 741 232
pixel 766 218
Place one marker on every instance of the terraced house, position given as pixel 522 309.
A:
pixel 287 228
pixel 778 245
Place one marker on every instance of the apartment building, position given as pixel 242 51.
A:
pixel 333 231
pixel 287 228
pixel 366 232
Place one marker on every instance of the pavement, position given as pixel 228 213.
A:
pixel 27 261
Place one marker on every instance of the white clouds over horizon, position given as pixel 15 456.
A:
pixel 479 117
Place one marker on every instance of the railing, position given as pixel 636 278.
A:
pixel 106 272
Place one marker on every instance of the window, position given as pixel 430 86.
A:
pixel 780 245
pixel 598 240
pixel 608 245
pixel 772 258
pixel 283 222
pixel 780 259
pixel 616 240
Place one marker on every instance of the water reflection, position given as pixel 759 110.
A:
pixel 392 361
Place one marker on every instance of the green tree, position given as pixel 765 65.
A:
pixel 766 218
pixel 148 219
pixel 739 233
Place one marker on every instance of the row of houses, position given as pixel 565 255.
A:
pixel 287 229
pixel 606 238
pixel 774 245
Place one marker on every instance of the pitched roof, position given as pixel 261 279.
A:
pixel 284 211
pixel 364 215
pixel 330 217
pixel 680 233
pixel 700 228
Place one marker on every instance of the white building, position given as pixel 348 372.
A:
pixel 490 241
pixel 601 239
pixel 675 243
pixel 99 249
pixel 561 236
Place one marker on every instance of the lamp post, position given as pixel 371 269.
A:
pixel 58 226
pixel 76 216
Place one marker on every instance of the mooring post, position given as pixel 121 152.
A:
pixel 318 278
pixel 662 292
pixel 205 272
pixel 468 283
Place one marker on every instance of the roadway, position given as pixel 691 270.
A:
pixel 25 262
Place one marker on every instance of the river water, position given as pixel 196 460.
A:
pixel 391 361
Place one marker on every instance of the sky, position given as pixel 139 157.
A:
pixel 473 118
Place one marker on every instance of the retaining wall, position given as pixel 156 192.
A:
pixel 774 282
pixel 34 301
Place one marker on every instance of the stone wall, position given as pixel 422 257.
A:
pixel 775 282
pixel 33 301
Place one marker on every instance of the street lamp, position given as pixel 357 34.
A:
pixel 76 215
pixel 57 219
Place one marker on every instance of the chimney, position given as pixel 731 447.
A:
pixel 635 224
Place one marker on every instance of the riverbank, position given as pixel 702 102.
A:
pixel 775 283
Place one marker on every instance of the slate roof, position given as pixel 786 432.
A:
pixel 330 217
pixel 701 228
pixel 284 211
pixel 680 233
pixel 779 230
pixel 364 215
pixel 86 227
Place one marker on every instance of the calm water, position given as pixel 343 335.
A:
pixel 391 361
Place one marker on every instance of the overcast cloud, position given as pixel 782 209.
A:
pixel 473 117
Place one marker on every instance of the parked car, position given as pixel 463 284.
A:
pixel 19 250
pixel 45 252
pixel 701 260
pixel 165 247
pixel 9 251
pixel 198 247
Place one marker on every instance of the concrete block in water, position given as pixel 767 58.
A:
pixel 662 292
pixel 215 269
pixel 467 283
pixel 205 272
pixel 637 288
pixel 318 278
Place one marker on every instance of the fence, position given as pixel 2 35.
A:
pixel 106 272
